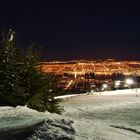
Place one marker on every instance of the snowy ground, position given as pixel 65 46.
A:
pixel 113 115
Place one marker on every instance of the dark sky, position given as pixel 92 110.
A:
pixel 76 29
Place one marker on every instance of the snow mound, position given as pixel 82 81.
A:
pixel 27 124
pixel 18 117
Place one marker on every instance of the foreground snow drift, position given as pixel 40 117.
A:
pixel 110 115
pixel 19 117
pixel 24 123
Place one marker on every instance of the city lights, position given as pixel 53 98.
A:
pixel 129 81
pixel 81 74
pixel 105 86
pixel 117 83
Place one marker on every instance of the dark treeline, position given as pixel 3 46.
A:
pixel 21 81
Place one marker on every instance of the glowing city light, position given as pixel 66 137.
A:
pixel 104 86
pixel 129 81
pixel 117 83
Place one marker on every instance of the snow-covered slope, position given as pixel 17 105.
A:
pixel 86 117
pixel 105 93
pixel 101 117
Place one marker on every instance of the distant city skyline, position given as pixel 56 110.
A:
pixel 88 72
pixel 68 30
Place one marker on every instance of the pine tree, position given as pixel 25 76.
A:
pixel 10 90
pixel 39 87
pixel 22 81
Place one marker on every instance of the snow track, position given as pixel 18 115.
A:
pixel 126 128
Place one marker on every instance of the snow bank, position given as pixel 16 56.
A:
pixel 18 118
pixel 65 96
pixel 105 93
pixel 121 92
pixel 24 123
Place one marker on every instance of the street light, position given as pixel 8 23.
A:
pixel 104 86
pixel 129 82
pixel 117 84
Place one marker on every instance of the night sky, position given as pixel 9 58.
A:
pixel 76 29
